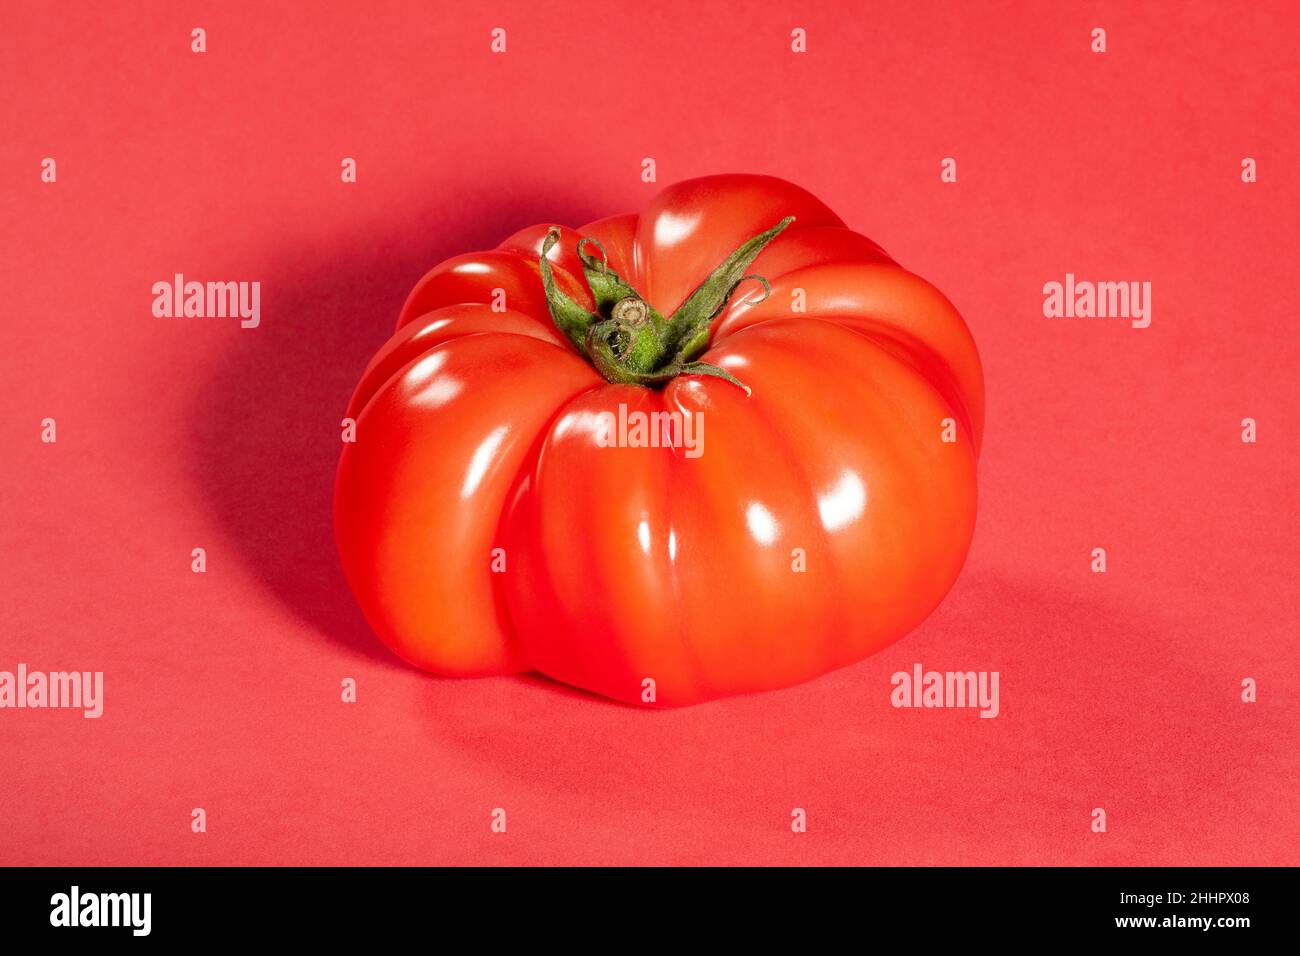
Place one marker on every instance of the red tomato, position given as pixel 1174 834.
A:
pixel 825 509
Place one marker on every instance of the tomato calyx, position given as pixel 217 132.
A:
pixel 626 339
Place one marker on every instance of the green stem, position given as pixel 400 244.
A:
pixel 626 339
pixel 704 304
pixel 569 317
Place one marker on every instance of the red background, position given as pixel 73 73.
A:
pixel 1119 690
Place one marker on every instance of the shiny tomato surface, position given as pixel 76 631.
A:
pixel 486 528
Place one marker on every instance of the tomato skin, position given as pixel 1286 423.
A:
pixel 418 501
pixel 824 518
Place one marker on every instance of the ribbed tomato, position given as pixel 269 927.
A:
pixel 500 510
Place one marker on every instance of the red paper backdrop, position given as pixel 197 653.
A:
pixel 1119 690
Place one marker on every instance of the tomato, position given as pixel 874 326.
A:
pixel 499 512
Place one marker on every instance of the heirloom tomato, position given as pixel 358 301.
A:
pixel 720 446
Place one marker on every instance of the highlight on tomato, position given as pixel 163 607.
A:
pixel 721 446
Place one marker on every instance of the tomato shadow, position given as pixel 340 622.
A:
pixel 263 438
